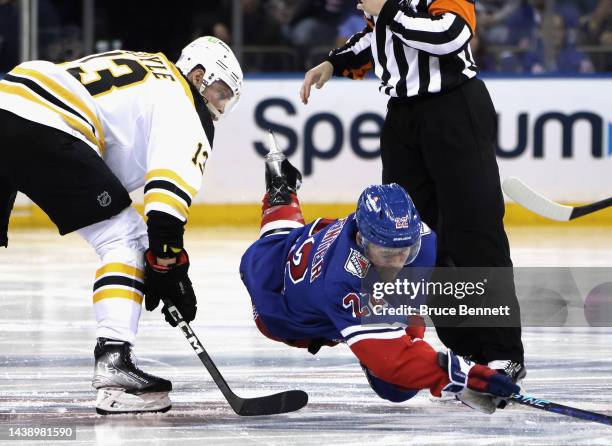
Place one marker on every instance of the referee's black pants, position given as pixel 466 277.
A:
pixel 441 149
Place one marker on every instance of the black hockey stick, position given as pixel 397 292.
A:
pixel 549 406
pixel 539 204
pixel 282 402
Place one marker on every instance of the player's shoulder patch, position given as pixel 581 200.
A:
pixel 357 264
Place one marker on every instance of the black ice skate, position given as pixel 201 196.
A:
pixel 514 370
pixel 280 187
pixel 123 387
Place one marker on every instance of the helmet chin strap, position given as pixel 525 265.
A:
pixel 213 111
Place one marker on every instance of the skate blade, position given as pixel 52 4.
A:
pixel 111 401
pixel 447 397
pixel 106 412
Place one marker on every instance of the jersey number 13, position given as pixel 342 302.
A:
pixel 122 72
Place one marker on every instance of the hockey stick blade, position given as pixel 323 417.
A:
pixel 530 199
pixel 539 204
pixel 278 403
pixel 569 411
pixel 282 402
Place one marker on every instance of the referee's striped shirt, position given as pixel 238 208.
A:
pixel 415 46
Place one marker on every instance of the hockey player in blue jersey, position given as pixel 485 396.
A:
pixel 306 287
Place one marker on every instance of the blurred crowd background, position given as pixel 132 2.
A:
pixel 513 36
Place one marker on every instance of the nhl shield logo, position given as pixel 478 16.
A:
pixel 104 199
pixel 357 264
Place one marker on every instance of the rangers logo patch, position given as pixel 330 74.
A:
pixel 357 264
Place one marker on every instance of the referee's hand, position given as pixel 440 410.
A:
pixel 318 76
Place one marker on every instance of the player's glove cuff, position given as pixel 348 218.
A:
pixel 165 234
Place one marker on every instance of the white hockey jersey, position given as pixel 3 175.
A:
pixel 135 109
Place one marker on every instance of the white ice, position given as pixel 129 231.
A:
pixel 47 339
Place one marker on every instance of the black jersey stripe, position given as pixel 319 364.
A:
pixel 381 40
pixel 366 331
pixel 422 6
pixel 402 65
pixel 429 37
pixel 470 59
pixel 466 54
pixel 119 280
pixel 40 91
pixel 424 72
pixel 451 69
pixel 277 231
pixel 170 187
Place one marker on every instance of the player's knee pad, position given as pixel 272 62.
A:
pixel 125 230
pixel 386 390
pixel 281 218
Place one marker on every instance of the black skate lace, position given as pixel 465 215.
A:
pixel 133 360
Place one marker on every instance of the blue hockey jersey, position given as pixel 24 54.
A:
pixel 309 283
pixel 310 287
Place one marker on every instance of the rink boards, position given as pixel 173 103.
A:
pixel 554 133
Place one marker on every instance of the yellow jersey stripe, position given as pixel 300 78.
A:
pixel 179 77
pixel 26 93
pixel 160 197
pixel 117 293
pixel 67 96
pixel 120 268
pixel 167 173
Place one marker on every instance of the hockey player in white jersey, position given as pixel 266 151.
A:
pixel 78 137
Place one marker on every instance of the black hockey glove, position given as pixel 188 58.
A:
pixel 170 282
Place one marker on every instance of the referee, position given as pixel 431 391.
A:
pixel 438 142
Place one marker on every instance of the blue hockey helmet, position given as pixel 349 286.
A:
pixel 387 217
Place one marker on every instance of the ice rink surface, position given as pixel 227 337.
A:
pixel 47 340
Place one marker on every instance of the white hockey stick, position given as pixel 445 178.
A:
pixel 539 204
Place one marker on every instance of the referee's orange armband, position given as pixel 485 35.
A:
pixel 463 8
